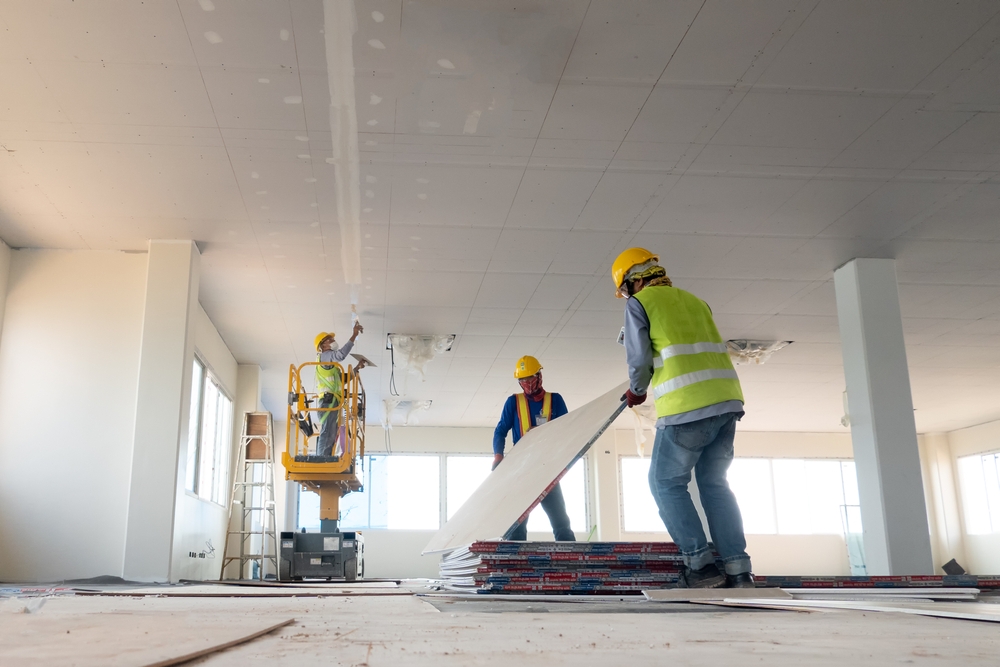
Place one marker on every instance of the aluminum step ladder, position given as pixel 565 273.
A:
pixel 251 539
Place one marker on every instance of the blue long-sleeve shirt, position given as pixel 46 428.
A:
pixel 508 419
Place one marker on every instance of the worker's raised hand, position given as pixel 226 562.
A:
pixel 357 329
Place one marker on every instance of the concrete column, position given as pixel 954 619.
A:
pixel 161 410
pixel 893 512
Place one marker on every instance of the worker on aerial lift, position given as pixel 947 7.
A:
pixel 671 339
pixel 330 385
pixel 521 412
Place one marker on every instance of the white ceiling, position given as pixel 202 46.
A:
pixel 757 145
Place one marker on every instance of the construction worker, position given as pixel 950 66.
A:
pixel 330 386
pixel 671 340
pixel 521 412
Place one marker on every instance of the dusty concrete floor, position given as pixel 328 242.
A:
pixel 397 631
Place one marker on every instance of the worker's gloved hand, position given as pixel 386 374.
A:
pixel 634 399
pixel 497 458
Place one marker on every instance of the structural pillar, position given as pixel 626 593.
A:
pixel 161 408
pixel 884 435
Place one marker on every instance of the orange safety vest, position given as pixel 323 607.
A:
pixel 524 416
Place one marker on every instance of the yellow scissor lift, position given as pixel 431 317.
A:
pixel 330 553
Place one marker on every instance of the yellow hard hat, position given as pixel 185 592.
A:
pixel 625 262
pixel 526 367
pixel 321 336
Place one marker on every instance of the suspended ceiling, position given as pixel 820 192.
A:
pixel 509 151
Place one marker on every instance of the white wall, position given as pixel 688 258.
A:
pixel 199 523
pixel 69 354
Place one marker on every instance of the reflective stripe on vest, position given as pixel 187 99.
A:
pixel 328 379
pixel 524 415
pixel 691 365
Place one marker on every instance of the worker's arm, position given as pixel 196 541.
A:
pixel 558 406
pixel 503 428
pixel 340 353
pixel 638 347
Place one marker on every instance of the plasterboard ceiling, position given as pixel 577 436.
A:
pixel 509 150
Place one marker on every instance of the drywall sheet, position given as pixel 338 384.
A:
pixel 968 611
pixel 689 594
pixel 116 639
pixel 526 472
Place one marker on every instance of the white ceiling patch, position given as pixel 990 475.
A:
pixel 374 43
pixel 293 99
pixel 213 37
pixel 283 35
pixel 472 121
pixel 207 5
pixel 378 17
pixel 340 23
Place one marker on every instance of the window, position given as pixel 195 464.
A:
pixel 574 488
pixel 979 477
pixel 403 491
pixel 210 430
pixel 776 496
pixel 399 492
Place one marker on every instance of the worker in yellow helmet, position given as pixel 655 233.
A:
pixel 330 385
pixel 672 342
pixel 533 407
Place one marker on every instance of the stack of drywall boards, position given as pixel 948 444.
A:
pixel 562 567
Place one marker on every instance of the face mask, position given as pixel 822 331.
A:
pixel 532 387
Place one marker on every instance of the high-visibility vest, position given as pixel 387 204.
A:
pixel 328 379
pixel 524 415
pixel 691 366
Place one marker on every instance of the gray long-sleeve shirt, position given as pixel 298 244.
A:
pixel 639 356
pixel 337 354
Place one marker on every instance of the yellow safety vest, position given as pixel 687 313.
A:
pixel 524 415
pixel 328 380
pixel 691 366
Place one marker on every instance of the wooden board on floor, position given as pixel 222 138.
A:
pixel 524 474
pixel 240 591
pixel 122 640
pixel 689 594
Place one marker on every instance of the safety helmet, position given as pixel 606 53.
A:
pixel 526 367
pixel 321 336
pixel 625 262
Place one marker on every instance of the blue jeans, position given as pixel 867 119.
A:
pixel 706 446
pixel 555 506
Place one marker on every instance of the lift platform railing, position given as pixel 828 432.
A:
pixel 303 405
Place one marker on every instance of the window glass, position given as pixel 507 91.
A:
pixel 638 506
pixel 750 480
pixel 465 474
pixel 574 488
pixel 979 479
pixel 210 432
pixel 413 488
pixel 808 496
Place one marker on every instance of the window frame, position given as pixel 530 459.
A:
pixel 222 454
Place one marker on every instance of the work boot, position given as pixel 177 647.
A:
pixel 707 577
pixel 741 580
